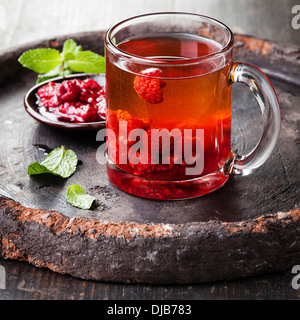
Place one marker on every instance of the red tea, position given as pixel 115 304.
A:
pixel 181 91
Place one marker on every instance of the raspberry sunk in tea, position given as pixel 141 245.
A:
pixel 178 90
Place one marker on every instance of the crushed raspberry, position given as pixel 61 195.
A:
pixel 86 113
pixel 74 100
pixel 48 90
pixel 132 122
pixel 91 84
pixel 148 86
pixel 101 106
pixel 175 166
pixel 48 95
pixel 67 108
pixel 114 117
pixel 68 91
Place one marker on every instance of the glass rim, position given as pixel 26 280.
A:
pixel 187 61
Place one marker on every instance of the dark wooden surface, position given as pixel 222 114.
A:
pixel 273 188
pixel 25 282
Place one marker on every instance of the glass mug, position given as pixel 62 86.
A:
pixel 169 99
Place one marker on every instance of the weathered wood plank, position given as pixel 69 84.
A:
pixel 25 282
pixel 150 253
pixel 240 204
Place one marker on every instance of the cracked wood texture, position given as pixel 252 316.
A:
pixel 249 227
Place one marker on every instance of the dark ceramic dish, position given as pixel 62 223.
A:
pixel 32 108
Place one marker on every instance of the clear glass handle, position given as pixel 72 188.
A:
pixel 269 105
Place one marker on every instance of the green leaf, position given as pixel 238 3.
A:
pixel 78 49
pixel 36 168
pixel 69 56
pixel 87 62
pixel 67 71
pixel 40 60
pixel 59 162
pixel 69 50
pixel 56 72
pixel 49 62
pixel 77 197
pixel 69 47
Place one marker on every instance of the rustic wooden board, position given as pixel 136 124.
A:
pixel 250 226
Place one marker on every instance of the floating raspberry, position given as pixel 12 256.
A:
pixel 154 72
pixel 148 86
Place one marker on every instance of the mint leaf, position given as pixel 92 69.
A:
pixel 69 50
pixel 68 56
pixel 40 60
pixel 37 168
pixel 77 197
pixel 50 63
pixel 78 49
pixel 56 72
pixel 87 62
pixel 69 47
pixel 60 162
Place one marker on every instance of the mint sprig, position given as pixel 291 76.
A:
pixel 40 60
pixel 70 47
pixel 50 63
pixel 87 62
pixel 59 162
pixel 56 72
pixel 63 163
pixel 77 197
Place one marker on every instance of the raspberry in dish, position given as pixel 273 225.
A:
pixel 73 100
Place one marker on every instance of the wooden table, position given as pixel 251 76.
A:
pixel 27 282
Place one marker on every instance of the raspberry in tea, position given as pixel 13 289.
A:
pixel 171 95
